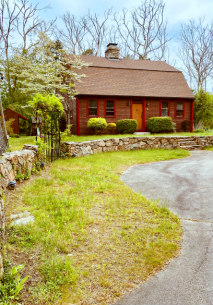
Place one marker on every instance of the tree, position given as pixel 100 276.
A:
pixel 19 19
pixel 97 30
pixel 196 52
pixel 143 30
pixel 203 109
pixel 48 69
pixel 86 33
pixel 73 33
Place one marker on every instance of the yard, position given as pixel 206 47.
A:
pixel 93 238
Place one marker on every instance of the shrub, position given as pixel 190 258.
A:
pixel 127 126
pixel 160 124
pixel 14 135
pixel 98 124
pixel 9 125
pixel 111 127
pixel 186 125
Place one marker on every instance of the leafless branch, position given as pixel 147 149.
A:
pixel 196 52
pixel 143 30
pixel 74 33
pixel 97 30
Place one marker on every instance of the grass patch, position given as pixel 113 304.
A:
pixel 208 148
pixel 18 143
pixel 93 238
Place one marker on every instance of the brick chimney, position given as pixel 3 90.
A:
pixel 112 51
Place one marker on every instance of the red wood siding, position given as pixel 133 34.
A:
pixel 124 108
pixel 10 114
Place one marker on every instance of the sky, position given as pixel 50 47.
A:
pixel 176 13
pixel 176 10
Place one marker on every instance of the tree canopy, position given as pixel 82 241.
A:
pixel 203 109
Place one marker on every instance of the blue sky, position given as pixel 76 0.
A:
pixel 177 11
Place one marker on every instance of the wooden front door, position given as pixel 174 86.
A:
pixel 137 114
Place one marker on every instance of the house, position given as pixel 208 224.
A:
pixel 11 114
pixel 123 88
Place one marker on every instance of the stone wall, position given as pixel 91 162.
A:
pixel 11 164
pixel 17 162
pixel 121 144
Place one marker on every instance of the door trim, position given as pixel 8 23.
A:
pixel 143 117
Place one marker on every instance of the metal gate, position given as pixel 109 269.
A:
pixel 50 132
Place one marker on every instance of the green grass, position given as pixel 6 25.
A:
pixel 93 238
pixel 208 148
pixel 18 143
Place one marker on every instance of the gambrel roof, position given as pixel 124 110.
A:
pixel 132 78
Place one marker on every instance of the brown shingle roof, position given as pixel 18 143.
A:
pixel 132 78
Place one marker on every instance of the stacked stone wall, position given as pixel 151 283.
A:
pixel 11 164
pixel 132 143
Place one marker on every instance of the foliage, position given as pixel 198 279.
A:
pixel 9 125
pixel 12 284
pixel 46 68
pixel 44 105
pixel 41 152
pixel 111 127
pixel 19 176
pixel 203 109
pixel 160 124
pixel 98 124
pixel 14 135
pixel 126 126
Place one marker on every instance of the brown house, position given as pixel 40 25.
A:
pixel 138 89
pixel 11 114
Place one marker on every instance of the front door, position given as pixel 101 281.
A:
pixel 137 114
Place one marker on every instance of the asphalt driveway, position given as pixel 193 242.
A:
pixel 186 186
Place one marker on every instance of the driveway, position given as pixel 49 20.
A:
pixel 186 186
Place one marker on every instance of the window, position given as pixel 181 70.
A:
pixel 179 109
pixel 164 108
pixel 109 108
pixel 92 108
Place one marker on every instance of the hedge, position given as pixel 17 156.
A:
pixel 126 126
pixel 160 124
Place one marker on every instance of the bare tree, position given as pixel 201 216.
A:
pixel 27 22
pixel 8 18
pixel 73 34
pixel 97 30
pixel 143 30
pixel 196 52
pixel 19 24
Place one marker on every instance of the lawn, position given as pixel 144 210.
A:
pixel 93 238
pixel 18 143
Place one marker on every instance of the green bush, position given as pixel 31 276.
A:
pixel 111 127
pixel 160 124
pixel 14 135
pixel 127 126
pixel 98 124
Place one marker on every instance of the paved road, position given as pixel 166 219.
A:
pixel 186 185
